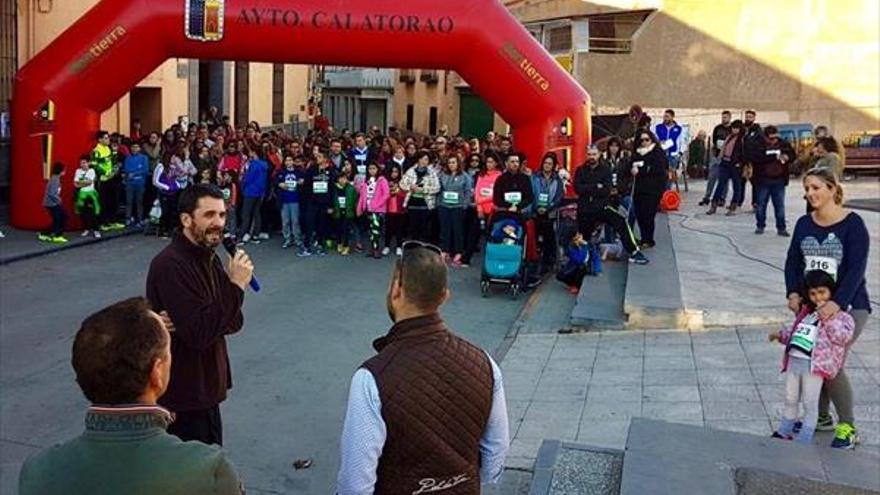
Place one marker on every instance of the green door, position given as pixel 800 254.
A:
pixel 475 116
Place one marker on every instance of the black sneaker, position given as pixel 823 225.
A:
pixel 638 258
pixel 778 435
pixel 759 231
pixel 783 233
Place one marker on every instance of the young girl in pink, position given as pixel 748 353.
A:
pixel 815 350
pixel 373 193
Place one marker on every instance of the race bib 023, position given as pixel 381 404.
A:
pixel 804 336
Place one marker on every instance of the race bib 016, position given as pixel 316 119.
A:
pixel 513 198
pixel 825 263
pixel 319 187
pixel 291 184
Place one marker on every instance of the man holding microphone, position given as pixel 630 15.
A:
pixel 202 300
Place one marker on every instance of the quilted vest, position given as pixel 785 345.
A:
pixel 436 394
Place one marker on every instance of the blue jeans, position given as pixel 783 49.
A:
pixel 290 223
pixel 771 191
pixel 728 173
pixel 134 200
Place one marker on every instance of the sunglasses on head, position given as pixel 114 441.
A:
pixel 410 245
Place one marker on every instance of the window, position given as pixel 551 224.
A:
pixel 432 121
pixel 614 33
pixel 558 39
pixel 277 93
pixel 410 112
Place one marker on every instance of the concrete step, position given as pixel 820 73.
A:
pixel 564 468
pixel 653 291
pixel 600 301
pixel 669 459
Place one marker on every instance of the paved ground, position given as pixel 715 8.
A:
pixel 587 387
pixel 304 335
pixel 726 285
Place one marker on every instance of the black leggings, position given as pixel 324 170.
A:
pixel 472 234
pixel 587 223
pixel 546 231
pixel 420 225
pixel 170 218
pixel 395 228
pixel 646 207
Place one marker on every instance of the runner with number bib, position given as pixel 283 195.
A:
pixel 835 241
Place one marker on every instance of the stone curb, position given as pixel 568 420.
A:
pixel 70 245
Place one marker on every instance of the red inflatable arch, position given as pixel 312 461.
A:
pixel 61 92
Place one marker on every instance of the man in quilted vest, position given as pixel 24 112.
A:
pixel 427 414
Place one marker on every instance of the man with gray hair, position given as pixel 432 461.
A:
pixel 427 413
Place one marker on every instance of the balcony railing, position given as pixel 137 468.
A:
pixel 429 76
pixel 611 45
pixel 407 76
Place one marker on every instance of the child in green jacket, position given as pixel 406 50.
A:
pixel 345 200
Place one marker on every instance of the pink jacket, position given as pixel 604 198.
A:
pixel 379 204
pixel 829 352
pixel 483 191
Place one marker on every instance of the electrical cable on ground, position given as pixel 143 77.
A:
pixel 733 244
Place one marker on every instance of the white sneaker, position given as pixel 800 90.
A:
pixel 97 235
pixel 246 238
pixel 399 252
pixel 85 233
pixel 264 236
pixel 386 251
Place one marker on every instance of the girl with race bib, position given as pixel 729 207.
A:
pixel 373 194
pixel 815 350
pixel 834 240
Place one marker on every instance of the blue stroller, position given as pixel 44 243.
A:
pixel 504 258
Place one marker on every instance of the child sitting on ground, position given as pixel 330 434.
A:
pixel 815 350
pixel 574 271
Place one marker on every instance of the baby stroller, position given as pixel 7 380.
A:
pixel 504 257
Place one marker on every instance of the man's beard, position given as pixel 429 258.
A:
pixel 201 236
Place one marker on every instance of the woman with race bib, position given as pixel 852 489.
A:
pixel 834 240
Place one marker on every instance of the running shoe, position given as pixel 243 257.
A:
pixel 44 237
pixel 398 252
pixel 783 233
pixel 824 423
pixel 386 251
pixel 264 236
pixel 845 437
pixel 245 238
pixel 97 235
pixel 638 258
pixel 286 244
pixel 86 233
pixel 303 253
pixel 59 239
pixel 780 436
pixel 759 231
pixel 345 251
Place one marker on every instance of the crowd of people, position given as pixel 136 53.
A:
pixel 156 369
pixel 364 192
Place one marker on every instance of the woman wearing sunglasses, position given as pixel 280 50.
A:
pixel 649 168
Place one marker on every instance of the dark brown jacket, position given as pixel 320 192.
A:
pixel 189 282
pixel 436 395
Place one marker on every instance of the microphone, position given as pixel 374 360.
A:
pixel 229 245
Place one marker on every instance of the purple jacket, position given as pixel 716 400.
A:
pixel 829 352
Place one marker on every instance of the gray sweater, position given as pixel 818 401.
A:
pixel 456 191
pixel 53 192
